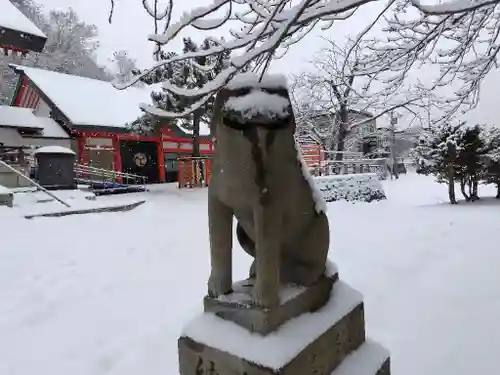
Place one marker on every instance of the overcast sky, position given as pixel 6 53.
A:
pixel 131 27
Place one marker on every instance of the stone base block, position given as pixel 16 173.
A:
pixel 295 300
pixel 6 199
pixel 313 343
pixel 370 358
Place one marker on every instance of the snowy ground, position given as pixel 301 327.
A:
pixel 109 293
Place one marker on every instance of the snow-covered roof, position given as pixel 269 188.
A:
pixel 54 150
pixel 51 129
pixel 16 117
pixel 12 18
pixel 89 102
pixel 19 118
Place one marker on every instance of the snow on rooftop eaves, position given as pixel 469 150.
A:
pixel 24 118
pixel 51 129
pixel 269 81
pixel 54 150
pixel 17 117
pixel 12 18
pixel 89 102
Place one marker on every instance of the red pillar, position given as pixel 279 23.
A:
pixel 20 94
pixel 81 141
pixel 161 160
pixel 84 155
pixel 117 159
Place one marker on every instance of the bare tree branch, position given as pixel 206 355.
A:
pixel 267 30
pixel 460 37
pixel 452 7
pixel 338 89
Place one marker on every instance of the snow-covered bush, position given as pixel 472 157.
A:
pixel 364 187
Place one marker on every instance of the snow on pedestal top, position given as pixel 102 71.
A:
pixel 366 360
pixel 280 347
pixel 4 190
pixel 54 150
pixel 260 103
pixel 12 18
pixel 268 81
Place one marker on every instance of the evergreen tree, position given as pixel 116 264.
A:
pixel 189 74
pixel 438 156
pixel 469 161
pixel 491 157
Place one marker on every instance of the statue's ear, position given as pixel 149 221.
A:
pixel 293 124
pixel 217 112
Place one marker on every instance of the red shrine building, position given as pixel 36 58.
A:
pixel 95 116
pixel 17 33
pixel 88 115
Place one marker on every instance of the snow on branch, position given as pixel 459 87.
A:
pixel 454 6
pixel 337 95
pixel 461 38
pixel 262 31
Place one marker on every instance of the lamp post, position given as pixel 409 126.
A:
pixel 394 121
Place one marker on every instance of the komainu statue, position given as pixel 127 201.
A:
pixel 258 177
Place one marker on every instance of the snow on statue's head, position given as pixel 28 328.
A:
pixel 253 111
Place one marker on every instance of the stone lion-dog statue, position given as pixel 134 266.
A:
pixel 258 177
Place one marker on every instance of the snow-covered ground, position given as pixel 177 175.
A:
pixel 109 293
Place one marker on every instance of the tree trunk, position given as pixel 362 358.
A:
pixel 451 188
pixel 475 184
pixel 498 191
pixel 196 133
pixel 462 189
pixel 344 117
pixel 393 153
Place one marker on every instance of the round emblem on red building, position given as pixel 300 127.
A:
pixel 140 159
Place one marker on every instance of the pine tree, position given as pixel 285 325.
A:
pixel 469 160
pixel 491 157
pixel 438 156
pixel 189 74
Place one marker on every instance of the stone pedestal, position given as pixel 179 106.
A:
pixel 6 197
pixel 295 300
pixel 318 330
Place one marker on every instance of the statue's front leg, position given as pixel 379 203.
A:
pixel 220 227
pixel 267 257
